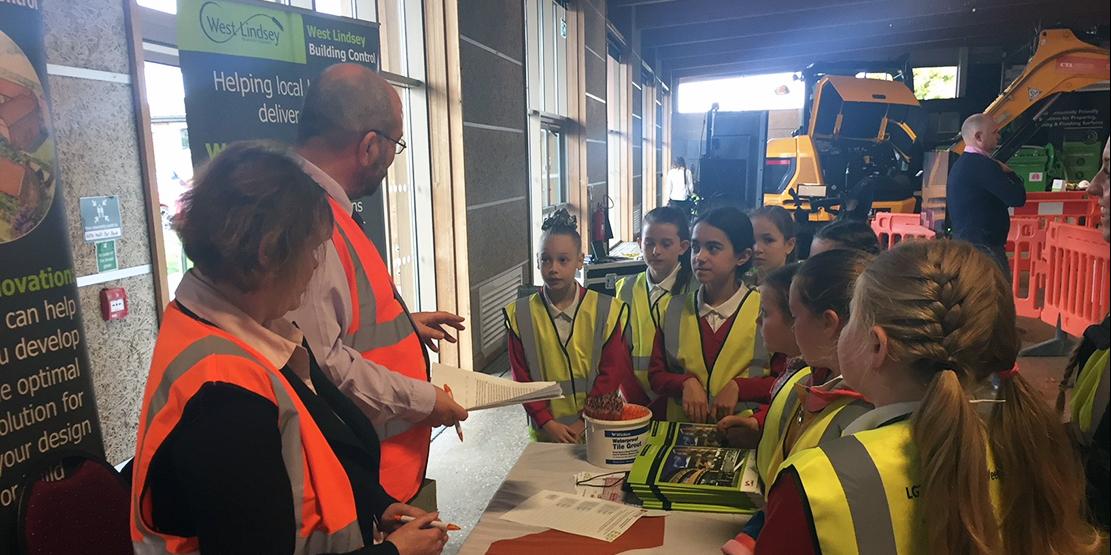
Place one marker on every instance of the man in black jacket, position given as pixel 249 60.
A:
pixel 980 190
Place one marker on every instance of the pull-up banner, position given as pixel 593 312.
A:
pixel 46 392
pixel 246 67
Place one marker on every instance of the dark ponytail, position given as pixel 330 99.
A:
pixel 826 281
pixel 736 226
pixel 675 217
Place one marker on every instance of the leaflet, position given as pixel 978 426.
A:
pixel 476 391
pixel 567 512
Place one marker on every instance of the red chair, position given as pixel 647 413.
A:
pixel 74 504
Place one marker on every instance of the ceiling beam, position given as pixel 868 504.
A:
pixel 837 36
pixel 725 66
pixel 887 14
pixel 691 12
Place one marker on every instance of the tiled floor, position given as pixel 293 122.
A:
pixel 467 474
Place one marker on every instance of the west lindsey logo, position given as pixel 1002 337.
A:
pixel 220 27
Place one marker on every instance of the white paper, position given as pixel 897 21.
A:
pixel 600 485
pixel 567 512
pixel 476 391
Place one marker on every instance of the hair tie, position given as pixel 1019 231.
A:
pixel 1008 374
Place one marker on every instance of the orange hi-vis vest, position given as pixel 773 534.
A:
pixel 190 354
pixel 382 330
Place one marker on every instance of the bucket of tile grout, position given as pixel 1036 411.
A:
pixel 614 444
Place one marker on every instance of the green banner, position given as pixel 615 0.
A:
pixel 46 390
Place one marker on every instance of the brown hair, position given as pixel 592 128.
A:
pixel 252 215
pixel 950 318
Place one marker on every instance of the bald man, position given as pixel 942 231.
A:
pixel 354 320
pixel 980 189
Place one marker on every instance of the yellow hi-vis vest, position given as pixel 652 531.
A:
pixel 1090 396
pixel 573 366
pixel 785 405
pixel 644 319
pixel 742 355
pixel 863 492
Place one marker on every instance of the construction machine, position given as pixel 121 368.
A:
pixel 1057 107
pixel 857 148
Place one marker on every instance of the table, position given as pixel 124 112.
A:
pixel 551 466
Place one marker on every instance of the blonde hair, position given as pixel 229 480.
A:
pixel 950 319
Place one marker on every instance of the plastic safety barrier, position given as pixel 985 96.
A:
pixel 891 228
pixel 1025 244
pixel 1077 262
pixel 1072 207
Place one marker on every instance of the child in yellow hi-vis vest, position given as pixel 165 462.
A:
pixel 708 344
pixel 932 328
pixel 570 335
pixel 665 239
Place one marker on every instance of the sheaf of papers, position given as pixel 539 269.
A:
pixel 477 391
pixel 582 516
pixel 600 485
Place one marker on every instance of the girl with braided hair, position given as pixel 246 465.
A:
pixel 933 322
pixel 567 334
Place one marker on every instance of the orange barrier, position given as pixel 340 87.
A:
pixel 1076 283
pixel 1025 243
pixel 891 228
pixel 1073 207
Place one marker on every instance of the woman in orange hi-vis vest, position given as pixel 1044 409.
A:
pixel 244 446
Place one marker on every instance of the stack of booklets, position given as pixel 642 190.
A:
pixel 686 467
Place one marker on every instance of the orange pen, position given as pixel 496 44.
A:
pixel 458 426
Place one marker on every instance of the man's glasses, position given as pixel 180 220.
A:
pixel 399 142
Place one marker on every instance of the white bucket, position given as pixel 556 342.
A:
pixel 615 443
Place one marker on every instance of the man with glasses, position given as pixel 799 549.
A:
pixel 352 316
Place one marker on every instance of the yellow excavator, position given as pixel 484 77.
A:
pixel 1061 64
pixel 857 148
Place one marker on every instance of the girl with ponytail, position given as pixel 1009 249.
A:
pixel 932 323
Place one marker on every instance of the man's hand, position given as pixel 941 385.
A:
pixel 695 402
pixel 446 412
pixel 390 521
pixel 430 327
pixel 560 433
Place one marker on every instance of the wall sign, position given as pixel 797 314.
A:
pixel 46 394
pixel 100 216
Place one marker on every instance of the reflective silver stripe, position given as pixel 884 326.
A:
pixel 600 335
pixel 579 385
pixel 527 335
pixel 143 548
pixel 626 293
pixel 1099 404
pixel 366 300
pixel 672 328
pixel 789 407
pixel 642 363
pixel 185 360
pixel 760 359
pixel 371 336
pixel 863 487
pixel 182 363
pixel 346 539
pixel 289 425
pixel 842 419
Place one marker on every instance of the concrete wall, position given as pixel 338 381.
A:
pixel 495 146
pixel 94 122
